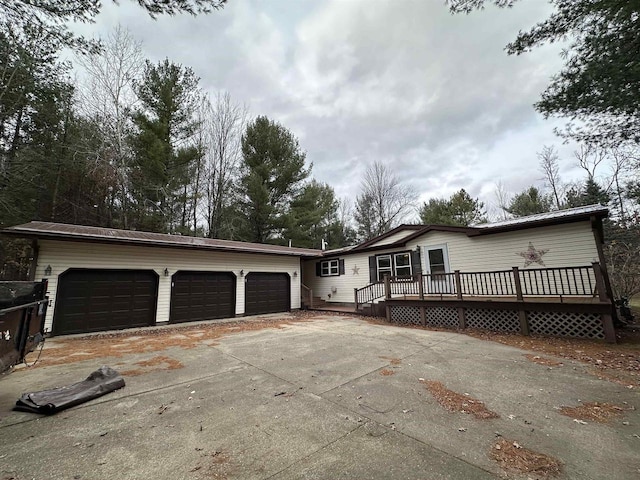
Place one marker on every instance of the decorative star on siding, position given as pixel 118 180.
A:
pixel 355 269
pixel 532 255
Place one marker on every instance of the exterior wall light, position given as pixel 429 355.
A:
pixel 242 273
pixel 47 271
pixel 295 274
pixel 166 272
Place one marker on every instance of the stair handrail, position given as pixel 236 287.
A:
pixel 368 293
pixel 309 294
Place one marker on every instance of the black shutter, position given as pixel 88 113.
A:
pixel 373 269
pixel 318 269
pixel 341 265
pixel 416 265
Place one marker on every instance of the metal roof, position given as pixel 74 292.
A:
pixel 541 217
pixel 521 223
pixel 62 231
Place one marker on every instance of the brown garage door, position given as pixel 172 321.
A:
pixel 267 293
pixel 94 300
pixel 202 296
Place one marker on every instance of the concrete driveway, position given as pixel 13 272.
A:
pixel 333 397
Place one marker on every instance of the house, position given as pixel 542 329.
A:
pixel 565 238
pixel 542 274
pixel 103 279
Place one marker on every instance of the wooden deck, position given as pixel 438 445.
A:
pixel 502 298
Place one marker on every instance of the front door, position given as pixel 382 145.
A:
pixel 437 267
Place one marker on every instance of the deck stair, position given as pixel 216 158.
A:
pixel 319 303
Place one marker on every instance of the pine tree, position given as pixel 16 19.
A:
pixel 273 170
pixel 164 151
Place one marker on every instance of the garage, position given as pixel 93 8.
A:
pixel 93 300
pixel 202 296
pixel 267 293
pixel 145 278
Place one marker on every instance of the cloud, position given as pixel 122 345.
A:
pixel 431 94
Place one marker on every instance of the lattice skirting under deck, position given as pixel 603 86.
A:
pixel 406 315
pixel 558 324
pixel 442 317
pixel 497 320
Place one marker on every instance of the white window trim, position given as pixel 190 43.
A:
pixel 395 264
pixel 426 267
pixel 331 267
pixel 384 269
pixel 392 269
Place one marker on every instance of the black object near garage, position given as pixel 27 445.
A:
pixel 202 296
pixel 93 300
pixel 267 293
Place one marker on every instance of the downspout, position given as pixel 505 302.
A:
pixel 35 250
pixel 598 235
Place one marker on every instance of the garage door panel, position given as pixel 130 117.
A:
pixel 267 293
pixel 202 296
pixel 95 300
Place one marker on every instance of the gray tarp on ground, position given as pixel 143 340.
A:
pixel 100 382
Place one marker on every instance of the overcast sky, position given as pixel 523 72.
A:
pixel 431 94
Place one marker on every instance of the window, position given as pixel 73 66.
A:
pixel 329 268
pixel 436 261
pixel 403 264
pixel 384 266
pixel 398 265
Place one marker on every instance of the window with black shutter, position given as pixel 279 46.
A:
pixel 401 265
pixel 330 268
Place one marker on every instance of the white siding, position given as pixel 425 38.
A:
pixel 64 255
pixel 393 238
pixel 343 284
pixel 568 245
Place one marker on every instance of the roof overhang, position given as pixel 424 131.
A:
pixel 83 234
pixel 591 213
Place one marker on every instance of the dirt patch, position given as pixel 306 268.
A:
pixel 215 464
pixel 543 361
pixel 513 457
pixel 386 372
pixel 594 411
pixel 457 402
pixel 618 363
pixel 119 344
pixel 392 361
pixel 159 362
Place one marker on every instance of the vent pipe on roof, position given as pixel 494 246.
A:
pixel 324 244
pixel 289 243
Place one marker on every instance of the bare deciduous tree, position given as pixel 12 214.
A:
pixel 223 126
pixel 383 201
pixel 549 165
pixel 107 97
pixel 503 199
pixel 589 157
pixel 622 167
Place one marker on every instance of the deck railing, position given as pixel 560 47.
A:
pixel 575 281
pixel 560 282
pixel 498 283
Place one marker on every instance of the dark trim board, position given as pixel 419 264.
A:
pixel 529 304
